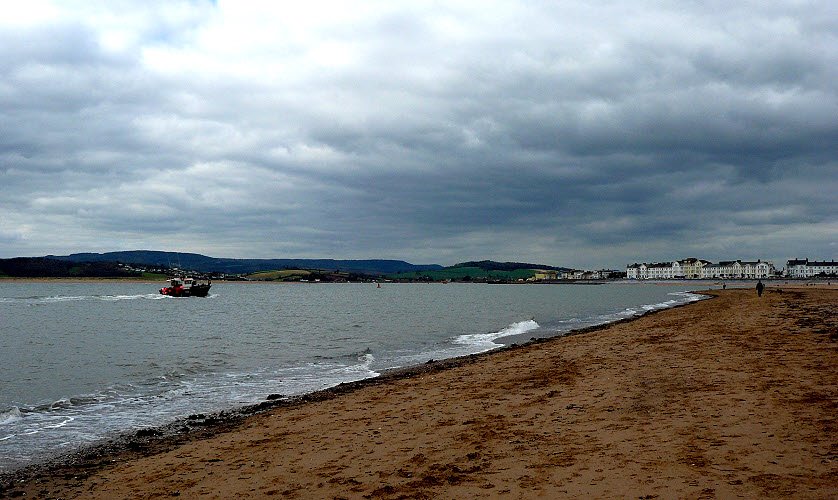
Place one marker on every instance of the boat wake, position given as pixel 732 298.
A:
pixel 57 299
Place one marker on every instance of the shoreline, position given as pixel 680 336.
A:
pixel 150 444
pixel 150 440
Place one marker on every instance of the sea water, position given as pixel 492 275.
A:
pixel 81 362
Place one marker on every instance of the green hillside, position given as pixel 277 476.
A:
pixel 310 275
pixel 283 275
pixel 458 273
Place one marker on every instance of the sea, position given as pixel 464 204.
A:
pixel 81 363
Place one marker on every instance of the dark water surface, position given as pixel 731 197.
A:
pixel 82 361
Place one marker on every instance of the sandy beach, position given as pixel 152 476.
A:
pixel 736 396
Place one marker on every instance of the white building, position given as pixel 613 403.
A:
pixel 636 271
pixel 758 270
pixel 666 270
pixel 693 268
pixel 805 268
pixel 655 271
pixel 738 269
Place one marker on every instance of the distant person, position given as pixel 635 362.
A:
pixel 724 286
pixel 760 288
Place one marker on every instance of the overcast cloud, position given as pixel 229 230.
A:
pixel 581 134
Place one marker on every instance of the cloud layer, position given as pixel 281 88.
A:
pixel 586 134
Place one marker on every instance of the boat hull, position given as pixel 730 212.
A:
pixel 199 290
pixel 193 291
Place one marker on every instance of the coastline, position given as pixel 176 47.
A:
pixel 504 396
pixel 166 436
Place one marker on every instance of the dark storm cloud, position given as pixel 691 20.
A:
pixel 580 134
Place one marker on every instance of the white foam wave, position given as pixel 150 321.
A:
pixel 10 415
pixel 60 424
pixel 688 296
pixel 682 298
pixel 359 371
pixel 366 359
pixel 567 325
pixel 486 340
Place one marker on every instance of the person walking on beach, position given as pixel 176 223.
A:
pixel 760 288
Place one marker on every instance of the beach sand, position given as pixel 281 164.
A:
pixel 736 396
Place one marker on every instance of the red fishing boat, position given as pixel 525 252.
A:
pixel 187 287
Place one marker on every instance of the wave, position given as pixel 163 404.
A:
pixel 361 370
pixel 64 404
pixel 11 415
pixel 568 325
pixel 36 429
pixel 487 339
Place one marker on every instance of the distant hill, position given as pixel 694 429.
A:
pixel 490 265
pixel 202 263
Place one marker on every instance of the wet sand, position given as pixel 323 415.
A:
pixel 733 396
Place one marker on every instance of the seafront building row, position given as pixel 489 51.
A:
pixel 693 268
pixel 805 268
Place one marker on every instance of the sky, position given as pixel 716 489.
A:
pixel 585 134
